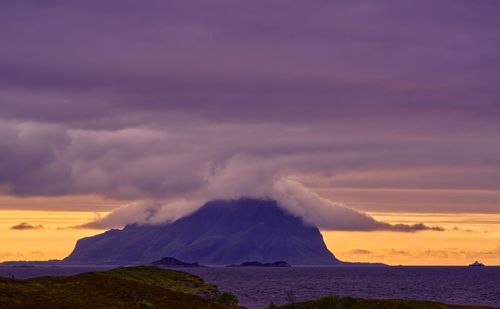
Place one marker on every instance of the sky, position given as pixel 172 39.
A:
pixel 379 122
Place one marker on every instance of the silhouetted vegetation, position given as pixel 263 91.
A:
pixel 228 299
pixel 131 287
pixel 335 302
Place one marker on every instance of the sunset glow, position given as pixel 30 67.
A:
pixel 477 238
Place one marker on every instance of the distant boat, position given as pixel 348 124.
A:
pixel 476 263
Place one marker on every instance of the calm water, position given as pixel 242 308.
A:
pixel 257 287
pixel 455 285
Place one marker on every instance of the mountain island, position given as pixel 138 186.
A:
pixel 221 232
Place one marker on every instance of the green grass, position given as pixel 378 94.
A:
pixel 131 287
pixel 335 302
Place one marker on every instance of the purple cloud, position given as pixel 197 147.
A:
pixel 166 101
pixel 318 61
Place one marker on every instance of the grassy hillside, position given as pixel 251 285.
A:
pixel 132 287
pixel 334 302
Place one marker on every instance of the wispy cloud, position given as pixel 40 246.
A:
pixel 360 252
pixel 26 226
pixel 290 195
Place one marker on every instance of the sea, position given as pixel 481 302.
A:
pixel 257 287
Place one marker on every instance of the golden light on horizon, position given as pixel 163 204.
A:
pixel 53 240
pixel 476 238
pixel 466 238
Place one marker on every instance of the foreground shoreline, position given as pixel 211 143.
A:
pixel 152 274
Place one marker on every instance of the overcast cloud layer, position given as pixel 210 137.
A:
pixel 171 104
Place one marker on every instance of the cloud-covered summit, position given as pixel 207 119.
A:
pixel 290 195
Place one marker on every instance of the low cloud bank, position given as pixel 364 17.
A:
pixel 328 215
pixel 165 173
pixel 290 195
pixel 26 226
pixel 453 254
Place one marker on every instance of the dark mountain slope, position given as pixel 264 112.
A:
pixel 220 233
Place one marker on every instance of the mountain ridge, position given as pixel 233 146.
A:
pixel 221 232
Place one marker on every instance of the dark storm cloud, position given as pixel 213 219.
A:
pixel 196 100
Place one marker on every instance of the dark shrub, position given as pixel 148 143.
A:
pixel 228 299
pixel 145 305
pixel 272 306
